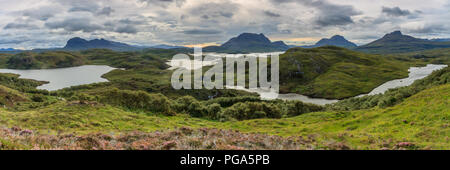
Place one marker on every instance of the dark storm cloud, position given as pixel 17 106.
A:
pixel 202 31
pixel 74 24
pixel 271 14
pixel 20 26
pixel 395 11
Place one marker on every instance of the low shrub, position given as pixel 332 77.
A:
pixel 253 110
pixel 138 100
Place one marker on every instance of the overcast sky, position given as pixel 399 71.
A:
pixel 27 24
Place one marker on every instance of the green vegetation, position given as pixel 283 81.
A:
pixel 390 128
pixel 394 96
pixel 435 56
pixel 138 109
pixel 28 60
pixel 337 73
pixel 23 85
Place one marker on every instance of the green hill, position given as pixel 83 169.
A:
pixel 336 73
pixel 50 59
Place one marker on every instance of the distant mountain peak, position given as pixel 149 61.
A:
pixel 248 43
pixel 78 43
pixel 336 40
pixel 396 42
pixel 394 34
pixel 246 37
pixel 337 37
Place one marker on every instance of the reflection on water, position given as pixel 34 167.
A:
pixel 64 77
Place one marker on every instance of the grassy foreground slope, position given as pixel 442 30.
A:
pixel 420 122
pixel 337 73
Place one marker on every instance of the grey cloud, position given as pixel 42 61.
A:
pixel 429 29
pixel 129 29
pixel 20 26
pixel 42 14
pixel 271 14
pixel 202 31
pixel 332 14
pixel 395 11
pixel 131 21
pixel 215 10
pixel 13 41
pixel 74 24
pixel 105 11
pixel 94 10
pixel 87 6
pixel 328 14
pixel 83 9
pixel 164 3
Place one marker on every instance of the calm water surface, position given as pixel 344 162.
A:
pixel 64 77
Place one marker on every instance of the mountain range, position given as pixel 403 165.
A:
pixel 440 39
pixel 82 44
pixel 248 43
pixel 336 40
pixel 396 42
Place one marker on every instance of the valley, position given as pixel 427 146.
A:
pixel 136 108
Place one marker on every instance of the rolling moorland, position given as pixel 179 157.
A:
pixel 138 109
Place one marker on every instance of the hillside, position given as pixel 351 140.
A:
pixel 50 59
pixel 417 123
pixel 396 42
pixel 436 56
pixel 336 73
pixel 248 43
pixel 336 40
